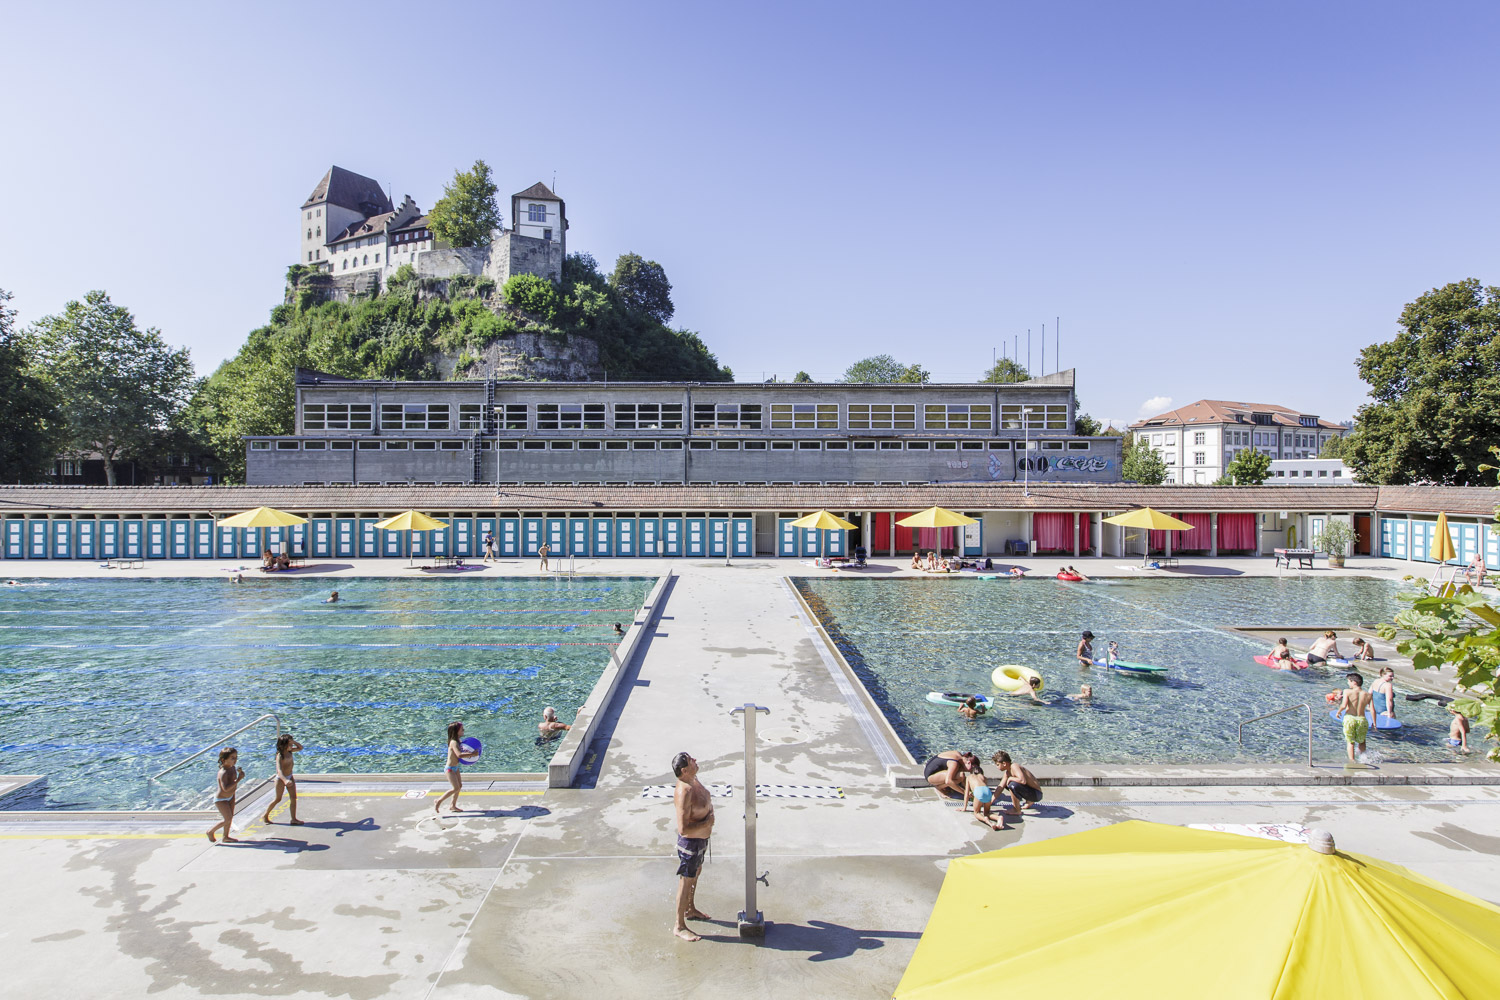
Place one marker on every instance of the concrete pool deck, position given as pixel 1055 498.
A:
pixel 567 892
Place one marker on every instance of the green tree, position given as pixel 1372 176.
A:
pixel 802 377
pixel 1248 468
pixel 1435 391
pixel 119 386
pixel 642 285
pixel 1142 464
pixel 1005 371
pixel 467 212
pixel 28 408
pixel 884 368
pixel 531 294
pixel 1333 447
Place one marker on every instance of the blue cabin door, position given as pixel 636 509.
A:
pixel 369 539
pixel 203 539
pixel 88 536
pixel 649 530
pixel 15 539
pixel 531 536
pixel 744 537
pixel 671 536
pixel 578 531
pixel 602 526
pixel 322 538
pixel 557 535
pixel 786 538
pixel 834 542
pixel 697 535
pixel 344 537
pixel 508 540
pixel 62 539
pixel 133 543
pixel 38 547
pixel 462 530
pixel 109 540
pixel 625 536
pixel 182 539
pixel 718 537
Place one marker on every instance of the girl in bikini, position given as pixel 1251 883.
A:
pixel 457 753
pixel 285 778
pixel 230 776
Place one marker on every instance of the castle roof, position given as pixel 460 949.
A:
pixel 347 189
pixel 420 222
pixel 364 227
pixel 537 190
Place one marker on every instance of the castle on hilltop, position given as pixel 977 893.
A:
pixel 351 231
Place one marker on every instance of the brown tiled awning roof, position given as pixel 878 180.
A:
pixel 1465 500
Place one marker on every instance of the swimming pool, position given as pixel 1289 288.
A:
pixel 105 682
pixel 905 638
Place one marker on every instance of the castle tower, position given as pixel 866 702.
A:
pixel 341 199
pixel 540 214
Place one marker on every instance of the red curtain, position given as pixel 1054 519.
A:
pixel 1237 532
pixel 1053 532
pixel 928 539
pixel 905 540
pixel 1156 541
pixel 1085 525
pixel 1199 538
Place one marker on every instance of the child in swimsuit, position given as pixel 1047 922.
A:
pixel 230 776
pixel 285 778
pixel 977 788
pixel 1458 733
pixel 971 709
pixel 1280 651
pixel 457 753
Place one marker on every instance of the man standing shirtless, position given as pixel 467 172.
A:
pixel 695 822
pixel 1352 708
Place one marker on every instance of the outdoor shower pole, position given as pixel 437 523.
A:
pixel 752 924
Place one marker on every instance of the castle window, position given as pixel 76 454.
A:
pixel 957 416
pixel 726 416
pixel 536 213
pixel 346 263
pixel 320 230
pixel 547 235
pixel 805 416
pixel 367 261
pixel 309 234
pixel 309 255
pixel 319 212
pixel 319 254
pixel 309 214
pixel 648 416
pixel 377 258
pixel 883 416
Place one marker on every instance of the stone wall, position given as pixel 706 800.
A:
pixel 533 357
pixel 451 261
pixel 512 254
pixel 343 287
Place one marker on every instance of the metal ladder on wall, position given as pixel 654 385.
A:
pixel 486 428
pixel 1283 711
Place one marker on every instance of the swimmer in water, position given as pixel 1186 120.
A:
pixel 333 598
pixel 1033 685
pixel 619 630
pixel 971 709
pixel 1086 693
pixel 550 723
pixel 1085 652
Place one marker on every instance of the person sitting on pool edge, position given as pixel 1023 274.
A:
pixel 1363 650
pixel 942 770
pixel 916 559
pixel 971 709
pixel 1018 781
pixel 268 561
pixel 1085 652
pixel 1016 572
pixel 550 723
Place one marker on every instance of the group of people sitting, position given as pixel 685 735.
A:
pixel 951 564
pixel 270 562
pixel 957 773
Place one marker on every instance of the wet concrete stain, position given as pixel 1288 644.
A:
pixel 1459 838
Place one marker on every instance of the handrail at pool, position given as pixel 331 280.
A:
pixel 1282 711
pixel 218 743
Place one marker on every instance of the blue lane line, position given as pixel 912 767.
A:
pixel 92 670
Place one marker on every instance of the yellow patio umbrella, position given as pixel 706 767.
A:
pixel 1146 910
pixel 1441 549
pixel 936 517
pixel 411 520
pixel 1151 520
pixel 261 517
pixel 824 520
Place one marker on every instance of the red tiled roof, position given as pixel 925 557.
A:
pixel 1214 411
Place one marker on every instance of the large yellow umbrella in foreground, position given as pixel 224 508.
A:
pixel 1151 520
pixel 1153 911
pixel 412 520
pixel 936 517
pixel 824 520
pixel 262 517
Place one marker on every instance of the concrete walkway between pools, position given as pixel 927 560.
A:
pixel 567 893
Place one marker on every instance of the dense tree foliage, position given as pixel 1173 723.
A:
pixel 884 368
pixel 1248 468
pixel 802 377
pixel 1006 370
pixel 1435 391
pixel 467 212
pixel 29 412
pixel 119 387
pixel 642 285
pixel 1142 464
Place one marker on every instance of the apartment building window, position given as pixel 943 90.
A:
pixel 569 416
pixel 1171 457
pixel 1200 458
pixel 957 416
pixel 1199 438
pixel 536 213
pixel 648 416
pixel 309 234
pixel 727 416
pixel 336 416
pixel 414 416
pixel 1048 416
pixel 512 416
pixel 805 416
pixel 882 416
pixel 470 416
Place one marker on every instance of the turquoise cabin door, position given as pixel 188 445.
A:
pixel 671 536
pixel 250 543
pixel 743 537
pixel 15 539
pixel 462 530
pixel 786 538
pixel 344 537
pixel 557 535
pixel 181 535
pixel 834 542
pixel 38 547
pixel 718 537
pixel 974 537
pixel 508 540
pixel 1491 549
pixel 697 535
pixel 485 526
pixel 88 539
pixel 298 536
pixel 109 539
pixel 578 531
pixel 369 539
pixel 417 542
pixel 62 539
pixel 625 536
pixel 650 536
pixel 203 539
pixel 810 540
pixel 531 536
pixel 322 538
pixel 601 530
pixel 228 542
pixel 437 541
pixel 133 542
pixel 1465 541
pixel 1421 540
pixel 392 546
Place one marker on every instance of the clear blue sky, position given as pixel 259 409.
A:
pixel 1219 201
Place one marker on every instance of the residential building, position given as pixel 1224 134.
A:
pixel 1198 441
pixel 1310 472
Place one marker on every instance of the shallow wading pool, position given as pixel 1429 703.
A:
pixel 904 638
pixel 105 682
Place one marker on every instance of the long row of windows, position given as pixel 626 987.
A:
pixel 706 416
pixel 368 444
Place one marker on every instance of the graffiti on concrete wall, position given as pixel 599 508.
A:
pixel 1041 466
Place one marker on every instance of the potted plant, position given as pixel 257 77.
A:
pixel 1335 541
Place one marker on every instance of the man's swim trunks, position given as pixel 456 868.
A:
pixel 690 854
pixel 1025 791
pixel 1356 728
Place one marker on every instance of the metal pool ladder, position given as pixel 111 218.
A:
pixel 1283 711
pixel 218 743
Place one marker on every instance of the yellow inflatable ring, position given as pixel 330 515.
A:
pixel 1014 677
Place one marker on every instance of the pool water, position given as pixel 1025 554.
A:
pixel 905 638
pixel 105 682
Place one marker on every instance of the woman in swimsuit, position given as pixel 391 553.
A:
pixel 230 776
pixel 1324 648
pixel 285 778
pixel 457 752
pixel 942 770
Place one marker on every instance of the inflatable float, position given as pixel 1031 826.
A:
pixel 1070 577
pixel 1014 677
pixel 984 701
pixel 1131 667
pixel 1266 661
